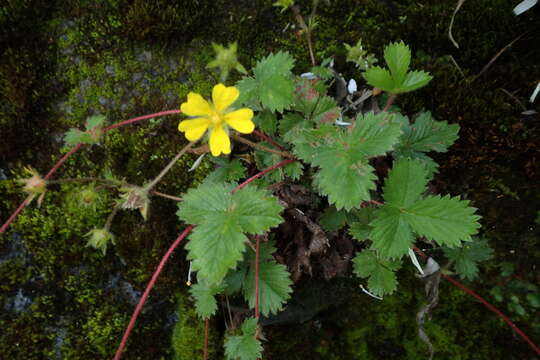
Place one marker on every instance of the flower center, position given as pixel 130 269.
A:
pixel 216 118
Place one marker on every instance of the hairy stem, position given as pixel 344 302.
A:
pixel 169 166
pixel 284 154
pixel 268 139
pixel 148 289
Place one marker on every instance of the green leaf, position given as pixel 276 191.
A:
pixel 374 135
pixel 426 134
pixel 381 273
pixel 398 58
pixel 291 124
pixel 205 302
pixel 215 247
pixel 391 235
pixel 274 282
pixel 75 136
pixel 415 80
pixel 333 219
pixel 279 64
pixel 276 93
pixel 227 170
pixel 345 175
pixel 406 183
pixel 248 88
pixel 446 220
pixel 245 346
pixel 266 121
pixel 379 78
pixel 256 209
pixel 468 256
pixel 218 241
pixel 235 280
pixel 95 121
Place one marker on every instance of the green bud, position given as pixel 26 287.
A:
pixel 99 239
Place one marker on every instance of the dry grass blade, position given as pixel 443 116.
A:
pixel 460 2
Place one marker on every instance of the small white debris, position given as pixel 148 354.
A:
pixel 300 211
pixel 339 121
pixel 524 6
pixel 188 282
pixel 308 75
pixel 370 294
pixel 352 86
pixel 431 267
pixel 196 163
pixel 415 262
pixel 535 92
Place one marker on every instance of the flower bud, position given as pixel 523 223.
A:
pixel 136 197
pixel 99 239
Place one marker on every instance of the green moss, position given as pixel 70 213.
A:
pixel 188 335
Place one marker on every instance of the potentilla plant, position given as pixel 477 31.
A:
pixel 303 139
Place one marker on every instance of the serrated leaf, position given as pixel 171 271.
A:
pixel 360 231
pixel 257 210
pixel 235 280
pixel 75 136
pixel 446 220
pixel 227 170
pixel 345 175
pixel 276 93
pixel 398 58
pixel 406 183
pixel 205 301
pixel 248 88
pixel 333 219
pixel 274 282
pixel 415 80
pixel 215 247
pixel 391 234
pixel 426 134
pixel 94 121
pixel 266 121
pixel 379 78
pixel 279 64
pixel 380 272
pixel 245 346
pixel 468 255
pixel 218 241
pixel 290 124
pixel 374 135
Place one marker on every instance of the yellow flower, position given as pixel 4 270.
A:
pixel 214 116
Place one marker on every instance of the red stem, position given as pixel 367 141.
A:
pixel 205 349
pixel 257 254
pixel 144 117
pixel 486 304
pixel 258 175
pixel 71 152
pixel 148 289
pixel 268 139
pixel 164 260
pixel 389 102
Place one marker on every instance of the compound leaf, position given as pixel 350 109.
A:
pixel 379 78
pixel 380 272
pixel 245 346
pixel 468 255
pixel 446 220
pixel 415 80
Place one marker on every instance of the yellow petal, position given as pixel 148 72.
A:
pixel 224 96
pixel 194 128
pixel 219 141
pixel 195 105
pixel 240 120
